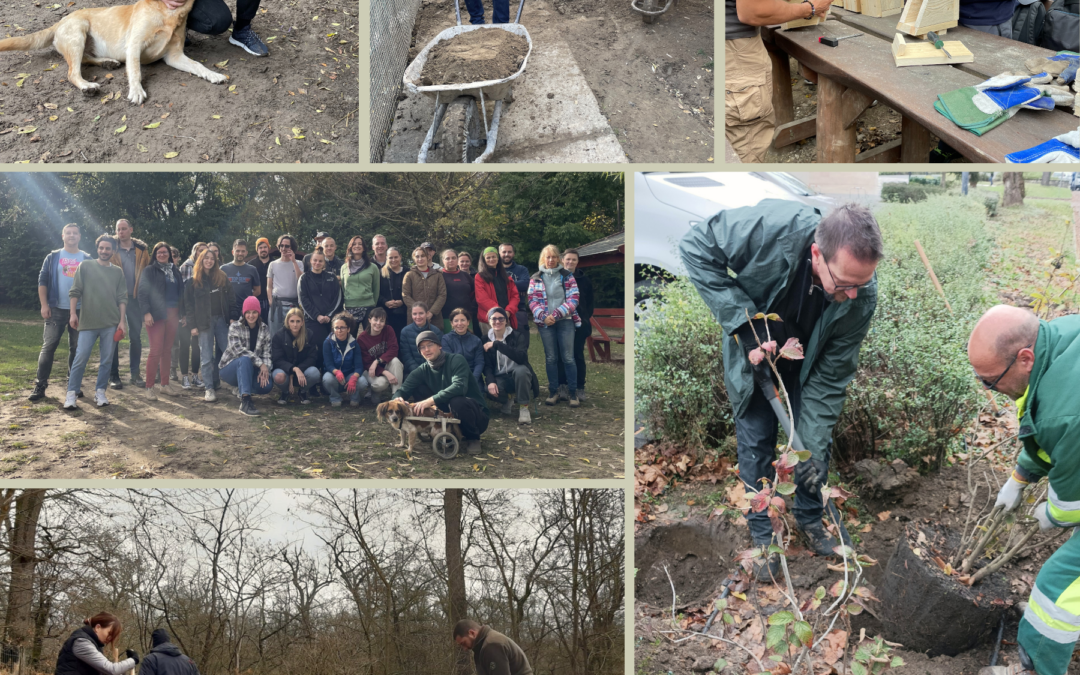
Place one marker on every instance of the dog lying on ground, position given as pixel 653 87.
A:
pixel 108 36
pixel 395 411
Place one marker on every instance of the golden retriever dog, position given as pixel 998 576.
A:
pixel 108 36
pixel 395 412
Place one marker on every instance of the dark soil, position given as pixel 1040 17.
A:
pixel 695 555
pixel 299 104
pixel 475 56
pixel 935 499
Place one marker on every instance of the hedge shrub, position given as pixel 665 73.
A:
pixel 908 192
pixel 914 390
pixel 679 370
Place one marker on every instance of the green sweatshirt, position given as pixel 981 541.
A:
pixel 102 290
pixel 1050 417
pixel 496 654
pixel 361 289
pixel 454 379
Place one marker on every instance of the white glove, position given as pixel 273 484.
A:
pixel 1010 494
pixel 1043 517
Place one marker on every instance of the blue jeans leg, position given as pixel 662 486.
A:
pixel 206 357
pixel 476 11
pixel 312 374
pixel 564 331
pixel 756 432
pixel 500 11
pixel 221 337
pixel 85 344
pixel 330 384
pixel 551 355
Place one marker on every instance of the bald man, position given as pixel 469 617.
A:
pixel 1037 364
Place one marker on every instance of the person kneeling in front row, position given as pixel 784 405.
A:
pixel 246 361
pixel 340 357
pixel 295 357
pixel 506 366
pixel 444 381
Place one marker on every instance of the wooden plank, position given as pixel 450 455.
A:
pixel 920 30
pixel 854 5
pixel 920 16
pixel 926 54
pixel 993 53
pixel 916 144
pixel 835 144
pixel 798 23
pixel 783 103
pixel 854 103
pixel 867 65
pixel 793 132
pixel 886 153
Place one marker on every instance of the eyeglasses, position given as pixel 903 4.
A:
pixel 284 247
pixel 844 287
pixel 992 385
pixel 497 319
pixel 341 328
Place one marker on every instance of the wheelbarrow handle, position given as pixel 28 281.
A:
pixel 457 11
pixel 517 19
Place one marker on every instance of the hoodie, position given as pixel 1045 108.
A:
pixel 167 659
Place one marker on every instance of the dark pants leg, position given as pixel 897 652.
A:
pixel 317 334
pixel 519 381
pixel 524 320
pixel 245 12
pixel 473 416
pixel 756 432
pixel 134 318
pixel 55 327
pixel 212 17
pixel 476 11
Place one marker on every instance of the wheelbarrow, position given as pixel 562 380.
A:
pixel 443 442
pixel 649 9
pixel 460 132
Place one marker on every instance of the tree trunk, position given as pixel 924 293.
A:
pixel 1045 178
pixel 973 179
pixel 455 572
pixel 944 180
pixel 20 609
pixel 1014 188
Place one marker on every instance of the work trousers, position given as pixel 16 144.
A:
pixel 500 11
pixel 756 431
pixel 517 381
pixel 212 17
pixel 473 416
pixel 55 326
pixel 749 119
pixel 134 319
pixel 161 336
pixel 1050 626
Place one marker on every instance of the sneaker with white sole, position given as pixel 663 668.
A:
pixel 150 394
pixel 210 396
pixel 69 401
pixel 248 40
pixel 99 398
pixel 523 415
pixel 167 389
pixel 187 382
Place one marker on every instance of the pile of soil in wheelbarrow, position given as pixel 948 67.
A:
pixel 475 56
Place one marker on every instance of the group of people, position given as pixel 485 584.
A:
pixel 317 324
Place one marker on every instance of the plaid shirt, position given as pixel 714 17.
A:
pixel 240 337
pixel 538 299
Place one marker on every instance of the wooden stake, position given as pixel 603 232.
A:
pixel 941 292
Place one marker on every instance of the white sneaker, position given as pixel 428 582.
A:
pixel 209 395
pixel 69 401
pixel 523 416
pixel 99 398
pixel 150 394
pixel 167 389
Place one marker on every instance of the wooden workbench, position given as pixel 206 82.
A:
pixel 861 69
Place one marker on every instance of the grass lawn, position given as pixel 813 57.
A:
pixel 186 437
pixel 1031 190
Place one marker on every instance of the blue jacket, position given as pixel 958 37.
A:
pixel 986 12
pixel 408 352
pixel 521 280
pixel 47 276
pixel 469 346
pixel 336 359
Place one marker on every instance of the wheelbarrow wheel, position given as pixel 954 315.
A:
pixel 460 124
pixel 445 445
pixel 650 6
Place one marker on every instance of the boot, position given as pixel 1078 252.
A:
pixel 767 568
pixel 473 446
pixel 507 408
pixel 39 391
pixel 821 542
pixel 564 394
pixel 552 400
pixel 574 402
pixel 581 394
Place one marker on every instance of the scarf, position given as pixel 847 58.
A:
pixel 438 363
pixel 167 268
pixel 356 265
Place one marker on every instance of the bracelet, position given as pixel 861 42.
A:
pixel 1016 477
pixel 812 10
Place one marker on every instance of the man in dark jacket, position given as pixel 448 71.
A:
pixel 54 281
pixel 444 381
pixel 817 274
pixel 520 274
pixel 493 652
pixel 165 658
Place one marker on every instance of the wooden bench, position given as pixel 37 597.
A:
pixel 600 345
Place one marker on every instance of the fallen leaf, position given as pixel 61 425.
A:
pixel 50 106
pixel 53 118
pixel 323 140
pixel 120 130
pixel 170 155
pixel 884 515
pixel 215 117
pixel 141 147
pixel 232 87
pixel 277 139
pixel 152 125
pixel 27 130
pixel 222 64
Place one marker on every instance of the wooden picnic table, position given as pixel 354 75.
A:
pixel 861 69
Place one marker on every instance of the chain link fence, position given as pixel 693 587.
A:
pixel 391 35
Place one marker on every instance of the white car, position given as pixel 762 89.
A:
pixel 666 206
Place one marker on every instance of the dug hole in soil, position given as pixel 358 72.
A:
pixel 299 104
pixel 945 628
pixel 475 56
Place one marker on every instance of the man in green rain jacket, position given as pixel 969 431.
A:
pixel 817 274
pixel 1037 364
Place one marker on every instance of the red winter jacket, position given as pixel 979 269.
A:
pixel 486 299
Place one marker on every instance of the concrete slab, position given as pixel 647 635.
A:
pixel 554 118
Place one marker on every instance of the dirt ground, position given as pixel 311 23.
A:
pixel 475 57
pixel 650 80
pixel 297 105
pixel 698 547
pixel 877 126
pixel 186 437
